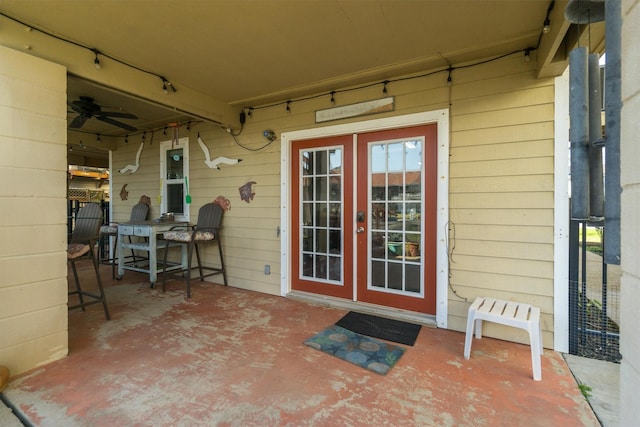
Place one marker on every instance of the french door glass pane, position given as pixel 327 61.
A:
pixel 395 206
pixel 321 213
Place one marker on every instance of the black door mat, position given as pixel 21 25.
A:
pixel 380 327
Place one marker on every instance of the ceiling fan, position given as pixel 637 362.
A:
pixel 87 108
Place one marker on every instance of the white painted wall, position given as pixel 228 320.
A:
pixel 33 169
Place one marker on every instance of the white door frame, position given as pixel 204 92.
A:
pixel 438 117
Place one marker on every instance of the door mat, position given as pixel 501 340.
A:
pixel 380 327
pixel 368 353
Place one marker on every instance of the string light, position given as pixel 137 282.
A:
pixel 546 26
pixel 449 76
pixel 527 56
pixel 142 133
pixel 288 107
pixel 384 88
pixel 333 100
pixel 96 61
pixel 166 84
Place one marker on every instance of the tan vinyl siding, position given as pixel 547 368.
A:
pixel 502 194
pixel 33 289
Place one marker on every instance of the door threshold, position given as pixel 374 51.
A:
pixel 366 308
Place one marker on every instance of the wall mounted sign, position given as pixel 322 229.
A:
pixel 355 110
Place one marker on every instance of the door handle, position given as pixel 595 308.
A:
pixel 360 230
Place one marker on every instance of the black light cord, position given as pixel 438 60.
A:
pixel 251 149
pixel 165 83
pixel 386 82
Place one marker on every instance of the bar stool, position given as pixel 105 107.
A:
pixel 82 246
pixel 206 231
pixel 140 212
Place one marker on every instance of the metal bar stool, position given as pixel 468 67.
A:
pixel 206 231
pixel 82 246
pixel 140 212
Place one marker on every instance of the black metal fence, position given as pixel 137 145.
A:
pixel 594 295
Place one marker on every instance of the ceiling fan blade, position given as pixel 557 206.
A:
pixel 118 114
pixel 85 106
pixel 116 123
pixel 78 121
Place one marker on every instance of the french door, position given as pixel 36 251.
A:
pixel 364 220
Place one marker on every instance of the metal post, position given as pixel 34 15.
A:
pixel 579 132
pixel 613 105
pixel 573 286
pixel 596 185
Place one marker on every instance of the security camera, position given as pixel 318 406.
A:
pixel 269 134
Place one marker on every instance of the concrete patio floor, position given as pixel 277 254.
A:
pixel 231 357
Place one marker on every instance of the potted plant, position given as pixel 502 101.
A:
pixel 412 248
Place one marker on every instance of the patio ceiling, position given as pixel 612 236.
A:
pixel 249 53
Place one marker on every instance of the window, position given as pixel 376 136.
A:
pixel 174 169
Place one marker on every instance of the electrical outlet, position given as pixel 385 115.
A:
pixel 267 269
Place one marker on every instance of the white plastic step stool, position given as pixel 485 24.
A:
pixel 518 315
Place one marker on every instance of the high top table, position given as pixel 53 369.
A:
pixel 149 230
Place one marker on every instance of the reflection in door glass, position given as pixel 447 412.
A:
pixel 395 208
pixel 321 213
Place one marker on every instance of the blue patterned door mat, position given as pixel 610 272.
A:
pixel 369 353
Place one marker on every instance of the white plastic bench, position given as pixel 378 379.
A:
pixel 509 313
